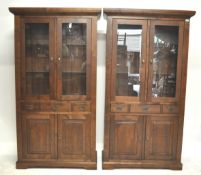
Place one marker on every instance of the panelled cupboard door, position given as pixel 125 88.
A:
pixel 37 63
pixel 126 137
pixel 128 59
pixel 38 136
pixel 73 57
pixel 161 138
pixel 73 137
pixel 165 61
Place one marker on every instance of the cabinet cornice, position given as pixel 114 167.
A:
pixel 55 11
pixel 149 13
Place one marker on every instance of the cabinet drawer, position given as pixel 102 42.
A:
pixel 30 106
pixel 141 108
pixel 47 107
pixel 80 107
pixel 63 107
pixel 39 106
pixel 170 109
pixel 119 107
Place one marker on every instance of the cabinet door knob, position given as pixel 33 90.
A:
pixel 143 61
pixel 59 59
pixel 151 61
pixel 51 59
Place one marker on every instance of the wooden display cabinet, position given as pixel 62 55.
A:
pixel 145 87
pixel 55 56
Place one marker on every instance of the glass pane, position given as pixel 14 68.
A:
pixel 37 58
pixel 128 60
pixel 165 61
pixel 73 59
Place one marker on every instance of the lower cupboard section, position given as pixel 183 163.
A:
pixel 142 138
pixel 38 136
pixel 56 137
pixel 73 137
pixel 126 137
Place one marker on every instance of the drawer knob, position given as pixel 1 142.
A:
pixel 171 108
pixel 119 108
pixel 145 108
pixel 29 107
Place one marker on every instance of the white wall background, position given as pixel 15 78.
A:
pixel 191 154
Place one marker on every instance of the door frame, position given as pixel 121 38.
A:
pixel 88 23
pixel 154 23
pixel 143 59
pixel 39 20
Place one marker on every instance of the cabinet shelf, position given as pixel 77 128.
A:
pixel 72 58
pixel 37 72
pixel 73 72
pixel 76 44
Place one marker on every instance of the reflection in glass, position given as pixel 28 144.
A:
pixel 128 60
pixel 73 59
pixel 165 61
pixel 37 58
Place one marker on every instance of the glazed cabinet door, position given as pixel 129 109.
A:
pixel 38 136
pixel 165 60
pixel 73 137
pixel 73 57
pixel 37 58
pixel 126 137
pixel 128 59
pixel 161 138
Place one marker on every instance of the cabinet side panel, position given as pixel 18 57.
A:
pixel 183 88
pixel 18 83
pixel 93 86
pixel 107 92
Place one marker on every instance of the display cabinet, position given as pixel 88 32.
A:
pixel 145 87
pixel 55 58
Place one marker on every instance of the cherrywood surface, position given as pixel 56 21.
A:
pixel 157 143
pixel 54 131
